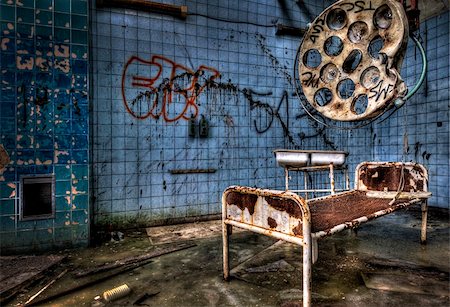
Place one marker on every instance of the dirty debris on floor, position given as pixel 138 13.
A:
pixel 190 231
pixel 265 272
pixel 18 272
pixel 411 282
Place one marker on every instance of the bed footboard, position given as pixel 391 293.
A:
pixel 279 214
pixel 275 213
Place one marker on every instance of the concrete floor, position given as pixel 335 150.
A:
pixel 384 253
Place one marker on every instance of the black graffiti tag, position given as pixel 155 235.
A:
pixel 380 90
pixel 311 80
pixel 358 6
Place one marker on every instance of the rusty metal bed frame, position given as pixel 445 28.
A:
pixel 380 188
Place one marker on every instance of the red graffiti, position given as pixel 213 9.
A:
pixel 162 88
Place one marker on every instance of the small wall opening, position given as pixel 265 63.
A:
pixel 37 197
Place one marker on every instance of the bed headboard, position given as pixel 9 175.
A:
pixel 386 176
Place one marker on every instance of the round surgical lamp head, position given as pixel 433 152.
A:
pixel 350 59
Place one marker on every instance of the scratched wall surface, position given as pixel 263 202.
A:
pixel 154 75
pixel 44 118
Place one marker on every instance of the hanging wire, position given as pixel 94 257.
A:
pixel 400 102
pixel 233 21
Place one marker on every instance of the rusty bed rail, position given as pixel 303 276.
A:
pixel 384 186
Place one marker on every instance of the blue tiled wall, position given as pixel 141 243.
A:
pixel 140 137
pixel 44 118
pixel 424 118
pixel 246 104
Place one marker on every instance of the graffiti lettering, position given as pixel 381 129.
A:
pixel 379 90
pixel 310 80
pixel 361 5
pixel 171 89
pixel 271 112
pixel 162 90
pixel 249 94
pixel 316 30
pixel 358 6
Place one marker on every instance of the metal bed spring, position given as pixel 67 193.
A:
pixel 286 216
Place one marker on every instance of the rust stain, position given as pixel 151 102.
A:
pixel 298 230
pixel 272 223
pixel 379 178
pixel 243 201
pixel 288 205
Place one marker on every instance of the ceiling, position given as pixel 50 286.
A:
pixel 430 8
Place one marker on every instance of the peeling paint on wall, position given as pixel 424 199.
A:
pixel 44 114
pixel 4 157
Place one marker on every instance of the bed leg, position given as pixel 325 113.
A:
pixel 315 250
pixel 305 179
pixel 307 264
pixel 226 231
pixel 333 190
pixel 286 178
pixel 347 179
pixel 423 234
